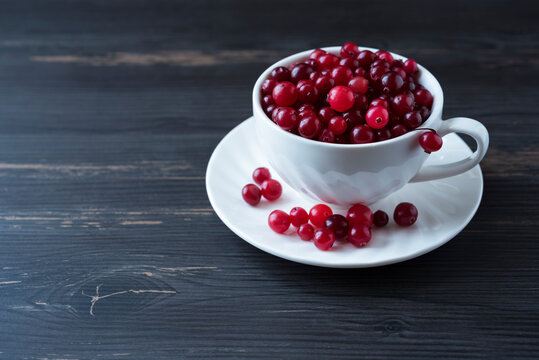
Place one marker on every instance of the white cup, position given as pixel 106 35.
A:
pixel 344 174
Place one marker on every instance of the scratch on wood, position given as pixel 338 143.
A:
pixel 179 58
pixel 142 222
pixel 9 282
pixel 186 268
pixel 147 273
pixel 95 298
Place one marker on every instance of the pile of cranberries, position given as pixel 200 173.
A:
pixel 269 188
pixel 355 98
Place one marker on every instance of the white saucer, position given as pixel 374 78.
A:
pixel 445 207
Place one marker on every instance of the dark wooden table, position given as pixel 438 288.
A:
pixel 109 248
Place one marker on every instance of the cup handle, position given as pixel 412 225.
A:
pixel 459 125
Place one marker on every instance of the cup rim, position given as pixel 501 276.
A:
pixel 433 86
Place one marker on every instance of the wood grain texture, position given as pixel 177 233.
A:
pixel 109 248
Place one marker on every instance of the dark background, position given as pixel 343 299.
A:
pixel 109 111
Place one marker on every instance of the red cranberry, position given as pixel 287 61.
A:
pixel 384 55
pixel 327 61
pixel 316 54
pixel 312 63
pixel 271 189
pixel 314 75
pixel 324 239
pixel 338 224
pixel 349 50
pixel 365 58
pixel 405 214
pixel 423 97
pixel 267 100
pixel 268 85
pixel 304 107
pixel 409 85
pixel 402 104
pixel 319 213
pixel 361 72
pixel 298 216
pixel 306 232
pixel 410 66
pixel 377 72
pixel 280 74
pixel 379 102
pixel 341 75
pixel 285 93
pixel 377 117
pixel 361 101
pixel 391 82
pixel 279 221
pixel 261 174
pixel 324 84
pixel 341 98
pixel 359 85
pixel 380 62
pixel 300 72
pixel 306 113
pixel 399 71
pixel 382 134
pixel 353 117
pixel 398 130
pixel 308 93
pixel 309 127
pixel 359 235
pixel 430 141
pixel 398 63
pixel 349 62
pixel 286 118
pixel 251 194
pixel 269 109
pixel 337 125
pixel 412 119
pixel 326 136
pixel 361 134
pixel 325 114
pixel 380 218
pixel 424 111
pixel 360 214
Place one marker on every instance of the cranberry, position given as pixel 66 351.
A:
pixel 359 84
pixel 405 214
pixel 384 55
pixel 267 100
pixel 268 85
pixel 380 62
pixel 261 174
pixel 377 72
pixel 309 127
pixel 326 136
pixel 380 218
pixel 402 104
pixel 349 50
pixel 424 111
pixel 361 72
pixel 349 62
pixel 324 239
pixel 430 141
pixel 306 113
pixel 361 134
pixel 300 72
pixel 312 63
pixel 398 130
pixel 285 93
pixel 338 224
pixel 319 213
pixel 325 114
pixel 298 216
pixel 359 235
pixel 398 63
pixel 353 117
pixel 316 54
pixel 423 97
pixel 341 75
pixel 306 232
pixel 391 82
pixel 360 214
pixel 286 118
pixel 377 117
pixel 269 109
pixel 279 221
pixel 399 71
pixel 304 107
pixel 361 101
pixel 337 125
pixel 324 84
pixel 341 98
pixel 412 119
pixel 410 66
pixel 409 84
pixel 308 93
pixel 271 189
pixel 251 194
pixel 314 75
pixel 379 102
pixel 280 74
pixel 327 61
pixel 365 58
pixel 382 134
